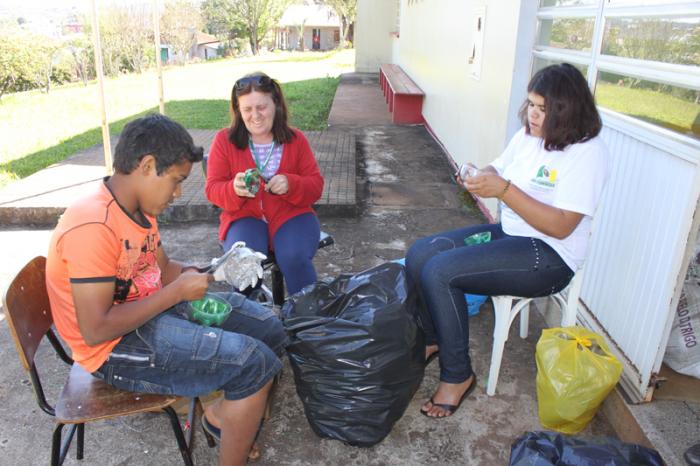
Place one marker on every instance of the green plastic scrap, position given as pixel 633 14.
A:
pixel 478 238
pixel 210 310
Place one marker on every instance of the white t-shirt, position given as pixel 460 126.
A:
pixel 572 179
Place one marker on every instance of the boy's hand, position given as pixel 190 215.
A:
pixel 192 285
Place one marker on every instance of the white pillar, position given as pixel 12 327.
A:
pixel 159 67
pixel 100 81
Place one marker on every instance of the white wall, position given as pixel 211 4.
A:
pixel 470 117
pixel 374 23
pixel 473 119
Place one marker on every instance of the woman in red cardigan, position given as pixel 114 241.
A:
pixel 263 175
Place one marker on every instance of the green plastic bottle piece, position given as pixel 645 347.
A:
pixel 251 178
pixel 478 238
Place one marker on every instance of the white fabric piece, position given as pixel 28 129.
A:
pixel 242 268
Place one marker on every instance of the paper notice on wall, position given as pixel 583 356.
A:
pixel 476 50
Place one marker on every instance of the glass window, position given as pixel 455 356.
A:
pixel 661 39
pixel 672 107
pixel 566 33
pixel 542 62
pixel 567 2
pixel 670 40
pixel 644 2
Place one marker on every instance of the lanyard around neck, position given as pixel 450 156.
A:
pixel 255 156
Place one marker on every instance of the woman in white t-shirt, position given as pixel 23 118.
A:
pixel 549 181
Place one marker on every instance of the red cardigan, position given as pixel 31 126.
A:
pixel 298 164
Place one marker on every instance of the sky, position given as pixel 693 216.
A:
pixel 43 4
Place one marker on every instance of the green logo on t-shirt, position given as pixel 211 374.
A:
pixel 545 177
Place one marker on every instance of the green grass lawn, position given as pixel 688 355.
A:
pixel 648 105
pixel 38 129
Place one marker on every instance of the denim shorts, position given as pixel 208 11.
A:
pixel 173 356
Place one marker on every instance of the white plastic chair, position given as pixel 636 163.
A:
pixel 507 308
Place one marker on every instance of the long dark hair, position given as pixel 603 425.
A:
pixel 260 82
pixel 570 112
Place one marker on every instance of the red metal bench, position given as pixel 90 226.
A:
pixel 404 97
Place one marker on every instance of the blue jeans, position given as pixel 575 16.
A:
pixel 443 268
pixel 171 355
pixel 295 244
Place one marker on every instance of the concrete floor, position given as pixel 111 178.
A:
pixel 407 193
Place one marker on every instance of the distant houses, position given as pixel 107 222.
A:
pixel 204 47
pixel 308 27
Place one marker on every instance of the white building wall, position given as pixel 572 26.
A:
pixel 374 23
pixel 640 248
pixel 474 119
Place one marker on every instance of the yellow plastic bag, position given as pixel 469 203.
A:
pixel 575 372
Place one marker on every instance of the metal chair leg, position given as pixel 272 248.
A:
pixel 177 429
pixel 56 447
pixel 59 446
pixel 191 419
pixel 81 441
pixel 277 285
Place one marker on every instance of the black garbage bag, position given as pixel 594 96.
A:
pixel 551 448
pixel 357 353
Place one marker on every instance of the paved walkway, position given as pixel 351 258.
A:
pixel 42 197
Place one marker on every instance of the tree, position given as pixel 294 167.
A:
pixel 43 57
pixel 137 36
pixel 126 37
pixel 301 28
pixel 258 17
pixel 15 62
pixel 180 21
pixel 81 50
pixel 220 21
pixel 347 10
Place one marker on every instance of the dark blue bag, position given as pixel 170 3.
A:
pixel 554 449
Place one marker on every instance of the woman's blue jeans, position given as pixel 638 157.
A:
pixel 295 244
pixel 443 268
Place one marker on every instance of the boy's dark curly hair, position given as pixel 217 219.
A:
pixel 157 135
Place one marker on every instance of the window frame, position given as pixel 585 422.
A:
pixel 686 76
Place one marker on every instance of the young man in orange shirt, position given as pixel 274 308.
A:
pixel 119 302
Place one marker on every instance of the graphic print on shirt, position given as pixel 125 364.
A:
pixel 138 274
pixel 546 177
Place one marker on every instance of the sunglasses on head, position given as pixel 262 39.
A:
pixel 258 80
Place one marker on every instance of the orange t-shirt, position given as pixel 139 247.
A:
pixel 96 240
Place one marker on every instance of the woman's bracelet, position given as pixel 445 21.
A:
pixel 503 193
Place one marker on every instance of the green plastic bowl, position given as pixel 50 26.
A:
pixel 210 310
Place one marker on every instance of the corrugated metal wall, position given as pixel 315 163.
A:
pixel 640 238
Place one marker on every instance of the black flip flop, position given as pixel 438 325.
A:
pixel 450 409
pixel 432 357
pixel 216 432
pixel 211 429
